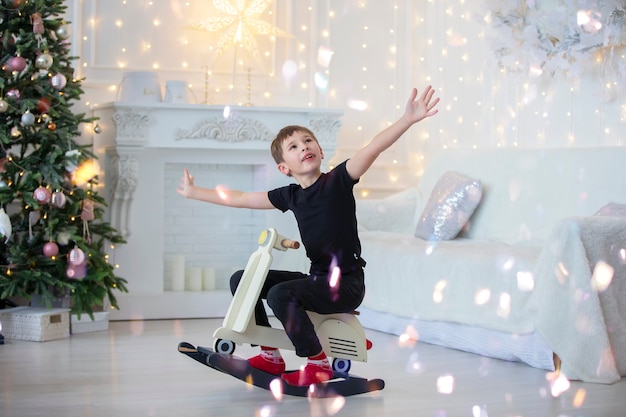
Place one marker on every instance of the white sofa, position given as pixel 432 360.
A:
pixel 534 272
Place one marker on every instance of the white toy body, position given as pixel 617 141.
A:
pixel 341 334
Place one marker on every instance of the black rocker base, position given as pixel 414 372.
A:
pixel 341 384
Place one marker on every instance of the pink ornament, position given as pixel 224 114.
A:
pixel 58 81
pixel 76 257
pixel 14 93
pixel 58 199
pixel 76 271
pixel 17 63
pixel 50 249
pixel 42 195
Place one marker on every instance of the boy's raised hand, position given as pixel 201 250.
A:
pixel 421 108
pixel 186 183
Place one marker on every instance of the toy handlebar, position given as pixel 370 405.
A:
pixel 290 244
pixel 277 241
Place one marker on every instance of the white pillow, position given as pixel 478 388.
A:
pixel 391 214
pixel 451 204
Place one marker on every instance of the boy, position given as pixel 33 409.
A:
pixel 324 207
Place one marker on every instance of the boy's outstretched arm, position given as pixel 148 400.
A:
pixel 415 111
pixel 223 197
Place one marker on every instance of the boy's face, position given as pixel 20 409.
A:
pixel 302 155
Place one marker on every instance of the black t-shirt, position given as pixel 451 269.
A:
pixel 326 218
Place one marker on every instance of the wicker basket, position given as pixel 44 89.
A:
pixel 36 324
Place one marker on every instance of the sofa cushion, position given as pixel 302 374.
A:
pixel 451 204
pixel 391 214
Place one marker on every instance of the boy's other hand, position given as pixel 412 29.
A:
pixel 186 184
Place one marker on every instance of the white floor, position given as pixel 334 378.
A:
pixel 134 369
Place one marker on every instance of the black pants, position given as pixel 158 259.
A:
pixel 291 294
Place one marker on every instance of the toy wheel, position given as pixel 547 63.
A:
pixel 224 346
pixel 341 365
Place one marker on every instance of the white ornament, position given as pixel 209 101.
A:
pixel 5 225
pixel 28 119
pixel 58 199
pixel 44 61
pixel 63 238
pixel 77 257
pixel 72 159
pixel 58 81
pixel 64 32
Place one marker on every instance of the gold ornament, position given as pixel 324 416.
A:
pixel 15 4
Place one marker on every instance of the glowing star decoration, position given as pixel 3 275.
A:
pixel 86 171
pixel 238 25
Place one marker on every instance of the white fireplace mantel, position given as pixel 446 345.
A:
pixel 136 140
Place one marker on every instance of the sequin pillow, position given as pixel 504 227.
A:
pixel 451 204
pixel 612 209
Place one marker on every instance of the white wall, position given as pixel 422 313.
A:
pixel 380 50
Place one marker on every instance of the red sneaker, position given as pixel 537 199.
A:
pixel 274 366
pixel 311 374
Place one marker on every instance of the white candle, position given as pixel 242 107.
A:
pixel 178 273
pixel 208 278
pixel 195 279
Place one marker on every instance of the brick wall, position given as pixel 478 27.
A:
pixel 209 235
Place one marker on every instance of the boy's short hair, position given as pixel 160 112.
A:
pixel 276 147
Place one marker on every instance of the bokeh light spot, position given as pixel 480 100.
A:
pixel 445 384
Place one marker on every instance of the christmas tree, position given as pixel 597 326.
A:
pixel 53 239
